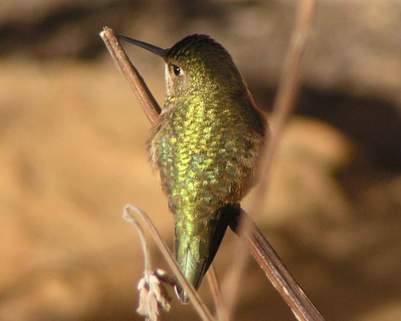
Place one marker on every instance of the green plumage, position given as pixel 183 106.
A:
pixel 205 147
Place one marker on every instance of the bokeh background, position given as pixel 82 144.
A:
pixel 73 152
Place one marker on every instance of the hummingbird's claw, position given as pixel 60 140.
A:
pixel 181 294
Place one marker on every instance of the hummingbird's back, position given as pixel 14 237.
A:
pixel 205 146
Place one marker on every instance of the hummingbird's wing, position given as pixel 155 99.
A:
pixel 259 111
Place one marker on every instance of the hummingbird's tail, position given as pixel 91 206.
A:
pixel 195 250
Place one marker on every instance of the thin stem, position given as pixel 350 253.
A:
pixel 145 249
pixel 194 297
pixel 276 271
pixel 215 290
pixel 287 92
pixel 148 103
pixel 283 106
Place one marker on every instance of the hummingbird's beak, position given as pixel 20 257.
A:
pixel 156 50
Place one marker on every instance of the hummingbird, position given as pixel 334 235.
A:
pixel 205 146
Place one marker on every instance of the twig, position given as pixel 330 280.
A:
pixel 283 106
pixel 145 248
pixel 194 297
pixel 148 103
pixel 152 294
pixel 287 91
pixel 214 286
pixel 276 271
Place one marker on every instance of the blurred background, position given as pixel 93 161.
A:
pixel 73 152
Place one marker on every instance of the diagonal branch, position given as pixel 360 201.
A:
pixel 288 89
pixel 148 103
pixel 283 106
pixel 214 285
pixel 275 270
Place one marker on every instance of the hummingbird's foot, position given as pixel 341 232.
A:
pixel 181 294
pixel 171 281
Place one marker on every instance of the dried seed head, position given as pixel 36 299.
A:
pixel 152 297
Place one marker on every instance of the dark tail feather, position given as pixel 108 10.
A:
pixel 224 215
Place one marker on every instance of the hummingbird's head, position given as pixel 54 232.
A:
pixel 196 64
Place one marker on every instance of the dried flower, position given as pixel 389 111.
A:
pixel 152 297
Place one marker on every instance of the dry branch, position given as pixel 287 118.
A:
pixel 283 106
pixel 275 270
pixel 148 103
pixel 220 306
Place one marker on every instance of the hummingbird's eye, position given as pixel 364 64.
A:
pixel 177 70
